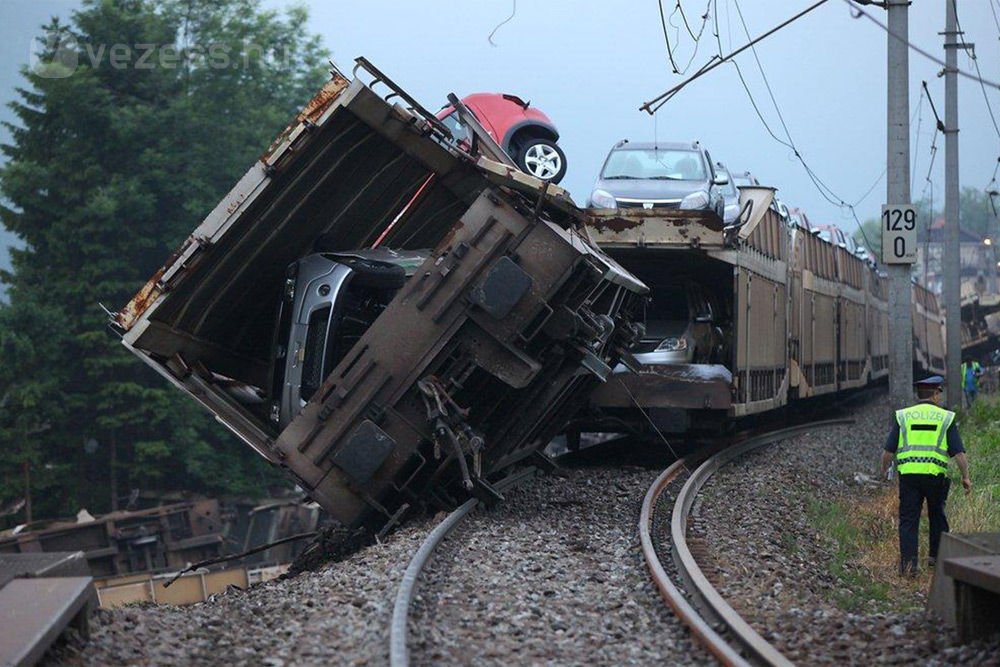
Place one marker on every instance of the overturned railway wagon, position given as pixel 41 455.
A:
pixel 794 317
pixel 474 363
pixel 169 536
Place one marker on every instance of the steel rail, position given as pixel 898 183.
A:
pixel 668 591
pixel 747 639
pixel 399 652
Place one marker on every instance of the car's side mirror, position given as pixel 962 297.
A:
pixel 720 179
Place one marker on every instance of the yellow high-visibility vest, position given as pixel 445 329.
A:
pixel 923 439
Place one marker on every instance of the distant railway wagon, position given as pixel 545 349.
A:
pixel 928 332
pixel 791 317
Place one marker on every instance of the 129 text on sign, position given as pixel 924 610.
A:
pixel 899 234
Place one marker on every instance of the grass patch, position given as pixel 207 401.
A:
pixel 864 586
pixel 865 529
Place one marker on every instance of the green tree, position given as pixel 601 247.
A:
pixel 138 118
pixel 976 212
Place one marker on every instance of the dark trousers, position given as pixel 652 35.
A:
pixel 913 490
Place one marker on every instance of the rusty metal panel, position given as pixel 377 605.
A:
pixel 634 228
pixel 176 533
pixel 818 342
pixel 877 327
pixel 824 336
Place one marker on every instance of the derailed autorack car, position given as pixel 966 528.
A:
pixel 468 366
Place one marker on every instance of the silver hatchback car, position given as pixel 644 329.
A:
pixel 660 176
pixel 329 301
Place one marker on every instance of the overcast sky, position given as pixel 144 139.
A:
pixel 590 65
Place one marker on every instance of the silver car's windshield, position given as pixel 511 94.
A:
pixel 679 165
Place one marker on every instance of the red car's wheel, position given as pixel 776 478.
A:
pixel 543 159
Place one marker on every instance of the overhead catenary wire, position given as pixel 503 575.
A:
pixel 916 135
pixel 678 8
pixel 913 47
pixel 652 105
pixel 975 61
pixel 513 11
pixel 990 192
pixel 825 191
pixel 996 19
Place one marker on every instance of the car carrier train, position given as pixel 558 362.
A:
pixel 770 314
pixel 397 316
pixel 384 311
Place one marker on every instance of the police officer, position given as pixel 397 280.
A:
pixel 923 437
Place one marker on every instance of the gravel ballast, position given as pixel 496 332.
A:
pixel 555 576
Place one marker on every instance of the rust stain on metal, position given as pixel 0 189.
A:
pixel 312 111
pixel 617 224
pixel 127 316
pixel 323 99
pixel 235 204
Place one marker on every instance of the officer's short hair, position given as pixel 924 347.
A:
pixel 927 390
pixel 929 386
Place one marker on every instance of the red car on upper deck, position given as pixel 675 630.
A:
pixel 525 133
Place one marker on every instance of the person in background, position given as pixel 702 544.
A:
pixel 970 371
pixel 922 439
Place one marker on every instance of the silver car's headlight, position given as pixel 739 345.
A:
pixel 672 345
pixel 602 199
pixel 695 201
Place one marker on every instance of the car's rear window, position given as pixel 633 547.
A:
pixel 680 165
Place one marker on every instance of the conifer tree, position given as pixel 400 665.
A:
pixel 134 121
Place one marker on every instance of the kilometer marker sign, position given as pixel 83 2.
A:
pixel 899 234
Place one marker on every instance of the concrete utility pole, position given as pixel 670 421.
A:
pixel 952 284
pixel 898 193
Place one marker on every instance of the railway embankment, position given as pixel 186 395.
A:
pixel 809 553
pixel 799 536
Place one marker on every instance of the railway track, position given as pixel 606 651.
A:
pixel 692 596
pixel 551 576
pixel 399 653
pixel 555 575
